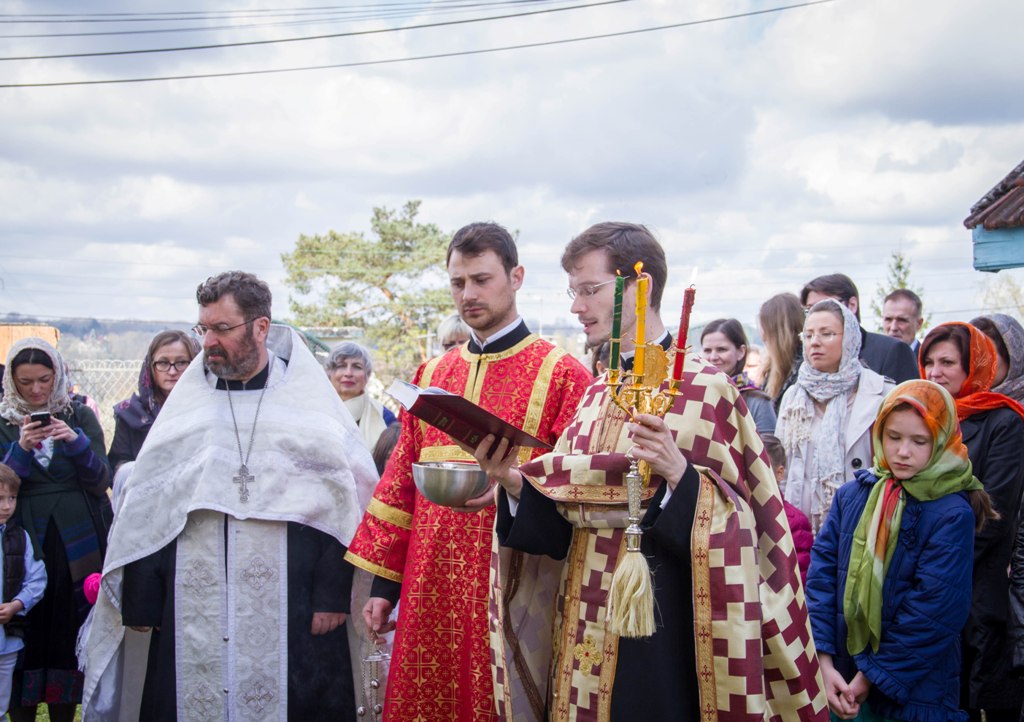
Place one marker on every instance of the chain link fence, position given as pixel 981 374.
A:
pixel 108 381
pixel 105 381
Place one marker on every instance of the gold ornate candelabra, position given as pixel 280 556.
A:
pixel 640 392
pixel 631 596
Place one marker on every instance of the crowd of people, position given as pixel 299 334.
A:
pixel 836 535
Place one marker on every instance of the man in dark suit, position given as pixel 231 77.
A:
pixel 887 356
pixel 902 317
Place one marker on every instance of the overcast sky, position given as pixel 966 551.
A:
pixel 762 150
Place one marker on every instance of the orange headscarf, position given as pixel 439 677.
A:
pixel 974 396
pixel 948 471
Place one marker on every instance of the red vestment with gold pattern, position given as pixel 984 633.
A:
pixel 440 667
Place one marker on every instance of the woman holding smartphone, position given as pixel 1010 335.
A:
pixel 55 445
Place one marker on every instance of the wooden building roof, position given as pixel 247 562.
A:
pixel 1001 207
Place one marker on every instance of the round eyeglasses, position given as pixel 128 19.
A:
pixel 586 291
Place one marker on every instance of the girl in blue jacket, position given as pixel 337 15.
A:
pixel 889 587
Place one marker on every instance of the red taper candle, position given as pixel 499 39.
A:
pixel 684 329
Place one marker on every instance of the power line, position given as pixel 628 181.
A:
pixel 306 38
pixel 331 18
pixel 164 16
pixel 434 56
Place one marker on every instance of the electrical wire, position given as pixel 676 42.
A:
pixel 307 38
pixel 165 16
pixel 396 14
pixel 433 56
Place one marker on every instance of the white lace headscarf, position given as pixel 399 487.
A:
pixel 820 459
pixel 13 407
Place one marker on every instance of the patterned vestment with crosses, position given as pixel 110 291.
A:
pixel 440 667
pixel 755 656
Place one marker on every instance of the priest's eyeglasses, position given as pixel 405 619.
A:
pixel 586 291
pixel 201 329
pixel 165 366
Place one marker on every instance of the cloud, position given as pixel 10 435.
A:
pixel 942 62
pixel 763 151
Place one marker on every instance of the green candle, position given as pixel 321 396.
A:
pixel 613 359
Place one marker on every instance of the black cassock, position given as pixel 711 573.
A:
pixel 319 669
pixel 655 677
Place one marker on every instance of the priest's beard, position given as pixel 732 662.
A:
pixel 236 365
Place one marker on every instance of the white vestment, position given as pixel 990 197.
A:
pixel 307 457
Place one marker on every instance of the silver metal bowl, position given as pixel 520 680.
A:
pixel 449 483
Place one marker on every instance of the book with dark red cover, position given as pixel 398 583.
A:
pixel 458 417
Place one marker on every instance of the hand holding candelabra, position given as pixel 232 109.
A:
pixel 639 391
pixel 631 598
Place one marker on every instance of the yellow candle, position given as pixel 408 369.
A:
pixel 641 318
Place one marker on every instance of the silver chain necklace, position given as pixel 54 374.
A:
pixel 244 478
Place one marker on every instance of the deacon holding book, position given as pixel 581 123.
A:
pixel 728 637
pixel 434 558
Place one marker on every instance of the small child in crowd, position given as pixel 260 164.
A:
pixel 799 524
pixel 21 584
pixel 889 587
pixel 385 446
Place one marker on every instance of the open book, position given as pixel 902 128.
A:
pixel 458 417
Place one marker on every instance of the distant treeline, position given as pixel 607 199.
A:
pixel 83 327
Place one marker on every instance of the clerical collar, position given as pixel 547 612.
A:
pixel 256 382
pixel 626 358
pixel 503 340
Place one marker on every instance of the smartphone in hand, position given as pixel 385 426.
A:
pixel 41 416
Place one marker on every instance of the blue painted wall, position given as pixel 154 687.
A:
pixel 999 249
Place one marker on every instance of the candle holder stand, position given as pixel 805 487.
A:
pixel 631 596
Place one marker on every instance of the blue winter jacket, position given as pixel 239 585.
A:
pixel 915 674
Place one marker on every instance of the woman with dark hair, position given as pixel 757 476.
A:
pixel 781 321
pixel 169 354
pixel 55 445
pixel 724 346
pixel 962 359
pixel 1008 336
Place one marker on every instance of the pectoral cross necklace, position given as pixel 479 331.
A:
pixel 243 478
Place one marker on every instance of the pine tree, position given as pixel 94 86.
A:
pixel 898 277
pixel 393 287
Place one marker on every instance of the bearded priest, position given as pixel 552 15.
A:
pixel 229 538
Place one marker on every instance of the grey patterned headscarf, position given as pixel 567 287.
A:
pixel 13 407
pixel 1013 336
pixel 819 458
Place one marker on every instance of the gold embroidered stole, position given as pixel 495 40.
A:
pixel 739 541
pixel 476 385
